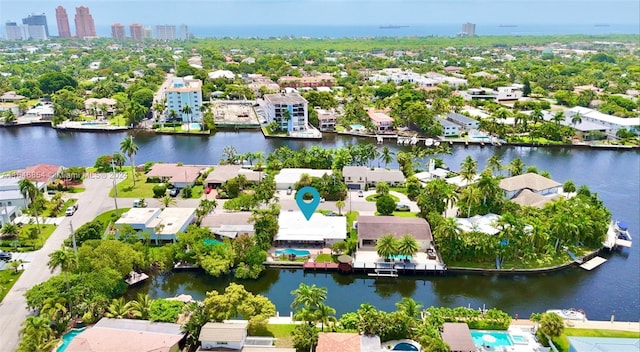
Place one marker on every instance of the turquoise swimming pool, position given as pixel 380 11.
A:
pixel 68 337
pixel 296 252
pixel 491 338
pixel 94 123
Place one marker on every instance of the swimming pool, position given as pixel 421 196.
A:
pixel 296 252
pixel 519 339
pixel 193 126
pixel 94 123
pixel 405 346
pixel 491 338
pixel 357 127
pixel 211 242
pixel 66 339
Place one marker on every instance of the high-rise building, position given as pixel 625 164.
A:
pixel 12 31
pixel 117 31
pixel 294 104
pixel 63 22
pixel 184 32
pixel 37 20
pixel 148 33
pixel 166 32
pixel 137 31
pixel 34 32
pixel 183 92
pixel 85 27
pixel 468 29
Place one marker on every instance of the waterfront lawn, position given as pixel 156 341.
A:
pixel 118 120
pixel 22 243
pixel 326 258
pixel 545 262
pixel 142 189
pixel 374 197
pixel 7 279
pixel 282 332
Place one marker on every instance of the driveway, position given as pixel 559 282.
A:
pixel 13 309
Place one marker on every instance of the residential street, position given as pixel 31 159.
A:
pixel 13 309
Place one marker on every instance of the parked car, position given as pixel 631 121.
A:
pixel 139 203
pixel 51 191
pixel 71 210
pixel 402 207
pixel 174 192
pixel 360 193
pixel 6 256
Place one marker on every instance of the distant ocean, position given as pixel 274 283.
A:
pixel 439 30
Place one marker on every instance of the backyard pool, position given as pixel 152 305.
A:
pixel 191 127
pixel 519 339
pixel 357 127
pixel 296 252
pixel 491 338
pixel 66 339
pixel 405 346
pixel 94 123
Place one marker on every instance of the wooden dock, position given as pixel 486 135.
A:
pixel 593 263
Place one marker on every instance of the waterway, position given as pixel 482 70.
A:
pixel 613 288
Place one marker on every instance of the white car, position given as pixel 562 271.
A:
pixel 71 210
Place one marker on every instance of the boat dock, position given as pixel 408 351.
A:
pixel 593 263
pixel 617 236
pixel 135 278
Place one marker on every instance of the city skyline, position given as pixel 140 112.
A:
pixel 339 12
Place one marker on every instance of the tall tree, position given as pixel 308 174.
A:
pixel 31 193
pixel 128 147
pixel 187 111
pixel 408 246
pixel 386 155
pixel 67 261
pixel 386 246
pixel 468 169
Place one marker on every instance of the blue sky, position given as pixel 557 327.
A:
pixel 334 12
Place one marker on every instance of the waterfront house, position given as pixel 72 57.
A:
pixel 10 97
pixel 179 176
pixel 41 112
pixel 160 225
pixel 128 335
pixel 275 106
pixel 615 123
pixel 382 122
pixel 347 342
pixel 358 177
pixel 371 228
pixel 287 178
pixel 108 104
pixel 318 230
pixel 326 119
pixel 229 225
pixel 458 337
pixel 466 123
pixel 10 194
pixel 15 110
pixel 514 187
pixel 449 129
pixel 42 173
pixel 231 335
pixel 582 128
pixel 223 173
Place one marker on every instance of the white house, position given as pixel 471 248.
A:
pixel 223 335
pixel 288 177
pixel 10 107
pixel 358 177
pixel 161 225
pixel 615 123
pixel 449 129
pixel 512 186
pixel 10 193
pixel 512 92
pixel 319 229
pixel 466 123
pixel 8 213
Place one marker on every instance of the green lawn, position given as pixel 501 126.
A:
pixel 142 189
pixel 110 216
pixel 325 258
pixel 402 190
pixel 282 332
pixel 23 244
pixel 197 191
pixel 7 279
pixel 118 120
pixel 73 189
pixel 180 130
pixel 405 214
pixel 548 261
pixel 374 197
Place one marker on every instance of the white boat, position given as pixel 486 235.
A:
pixel 570 314
pixel 428 142
pixel 617 235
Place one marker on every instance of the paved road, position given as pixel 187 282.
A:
pixel 13 310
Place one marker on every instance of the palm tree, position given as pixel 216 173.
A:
pixel 386 246
pixel 67 261
pixel 558 117
pixel 118 160
pixel 103 109
pixel 308 300
pixel 471 195
pixel 516 167
pixel 118 309
pixel 129 148
pixel 187 111
pixel 167 201
pixel 576 119
pixel 382 188
pixel 494 163
pixel 408 246
pixel 229 155
pixel 468 169
pixel 409 307
pixel 537 115
pixel 9 230
pixel 94 109
pixel 340 205
pixel 325 315
pixel 140 306
pixel 37 329
pixel 56 310
pixel 386 155
pixel 31 193
pixel 448 230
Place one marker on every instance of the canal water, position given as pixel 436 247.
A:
pixel 612 289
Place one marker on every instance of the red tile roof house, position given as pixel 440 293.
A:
pixel 347 342
pixel 371 228
pixel 382 121
pixel 41 173
pixel 179 176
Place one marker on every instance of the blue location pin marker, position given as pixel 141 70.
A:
pixel 308 208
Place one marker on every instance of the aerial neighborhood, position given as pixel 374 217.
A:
pixel 133 251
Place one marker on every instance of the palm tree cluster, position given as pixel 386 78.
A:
pixel 310 307
pixel 388 246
